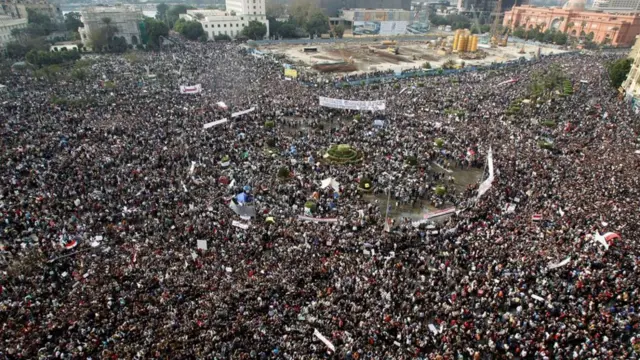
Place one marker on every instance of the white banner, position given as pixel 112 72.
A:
pixel 317 220
pixel 195 89
pixel 486 185
pixel 240 113
pixel 324 340
pixel 377 105
pixel 202 244
pixel 215 123
pixel 240 225
pixel 560 264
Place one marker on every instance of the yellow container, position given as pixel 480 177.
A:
pixel 456 39
pixel 474 47
pixel 462 43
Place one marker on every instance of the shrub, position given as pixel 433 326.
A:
pixel 426 65
pixel 440 190
pixel 225 158
pixel 396 86
pixel 283 172
pixel 549 123
pixel 269 124
pixel 440 71
pixel 222 37
pixel 420 84
pixel 109 85
pixel 344 154
pixel 375 87
pixel 439 142
pixel 412 160
pixel 543 144
pixel 311 206
pixel 358 117
pixel 365 183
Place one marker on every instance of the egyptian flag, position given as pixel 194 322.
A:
pixel 610 236
pixel 70 244
pixel 536 217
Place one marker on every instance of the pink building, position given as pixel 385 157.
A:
pixel 615 29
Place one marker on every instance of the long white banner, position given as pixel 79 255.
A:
pixel 485 185
pixel 195 89
pixel 377 105
pixel 240 113
pixel 215 123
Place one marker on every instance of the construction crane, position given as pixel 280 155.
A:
pixel 495 27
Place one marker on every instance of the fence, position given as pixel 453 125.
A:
pixel 439 72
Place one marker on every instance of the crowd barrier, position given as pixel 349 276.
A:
pixel 440 72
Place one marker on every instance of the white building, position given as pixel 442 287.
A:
pixel 7 24
pixel 617 5
pixel 230 22
pixel 126 19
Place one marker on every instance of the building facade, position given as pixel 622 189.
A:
pixel 608 28
pixel 631 85
pixel 617 5
pixel 7 25
pixel 230 22
pixel 18 9
pixel 126 19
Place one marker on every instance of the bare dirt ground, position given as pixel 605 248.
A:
pixel 372 56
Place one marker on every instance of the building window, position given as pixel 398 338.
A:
pixel 241 18
pixel 237 25
pixel 254 13
pixel 225 25
pixel 206 26
pixel 254 7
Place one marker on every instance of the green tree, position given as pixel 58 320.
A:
pixel 288 30
pixel 338 31
pixel 72 21
pixel 161 11
pixel 18 50
pixel 618 71
pixel 255 31
pixel 192 30
pixel 560 38
pixel 173 14
pixel 301 11
pixel 39 24
pixel 275 10
pixel 155 29
pixel 318 23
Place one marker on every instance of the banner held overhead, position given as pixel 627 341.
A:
pixel 376 105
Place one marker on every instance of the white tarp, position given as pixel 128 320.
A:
pixel 240 113
pixel 486 185
pixel 193 89
pixel 324 340
pixel 330 182
pixel 202 244
pixel 376 105
pixel 243 210
pixel 215 123
pixel 222 105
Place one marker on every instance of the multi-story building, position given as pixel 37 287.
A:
pixel 331 7
pixel 631 85
pixel 607 28
pixel 617 5
pixel 18 9
pixel 232 21
pixel 7 25
pixel 126 19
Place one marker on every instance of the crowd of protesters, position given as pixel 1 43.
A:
pixel 107 191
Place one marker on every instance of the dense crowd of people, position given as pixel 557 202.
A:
pixel 109 193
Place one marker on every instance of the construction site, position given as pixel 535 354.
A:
pixel 396 53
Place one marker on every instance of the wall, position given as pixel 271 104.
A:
pixel 619 30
